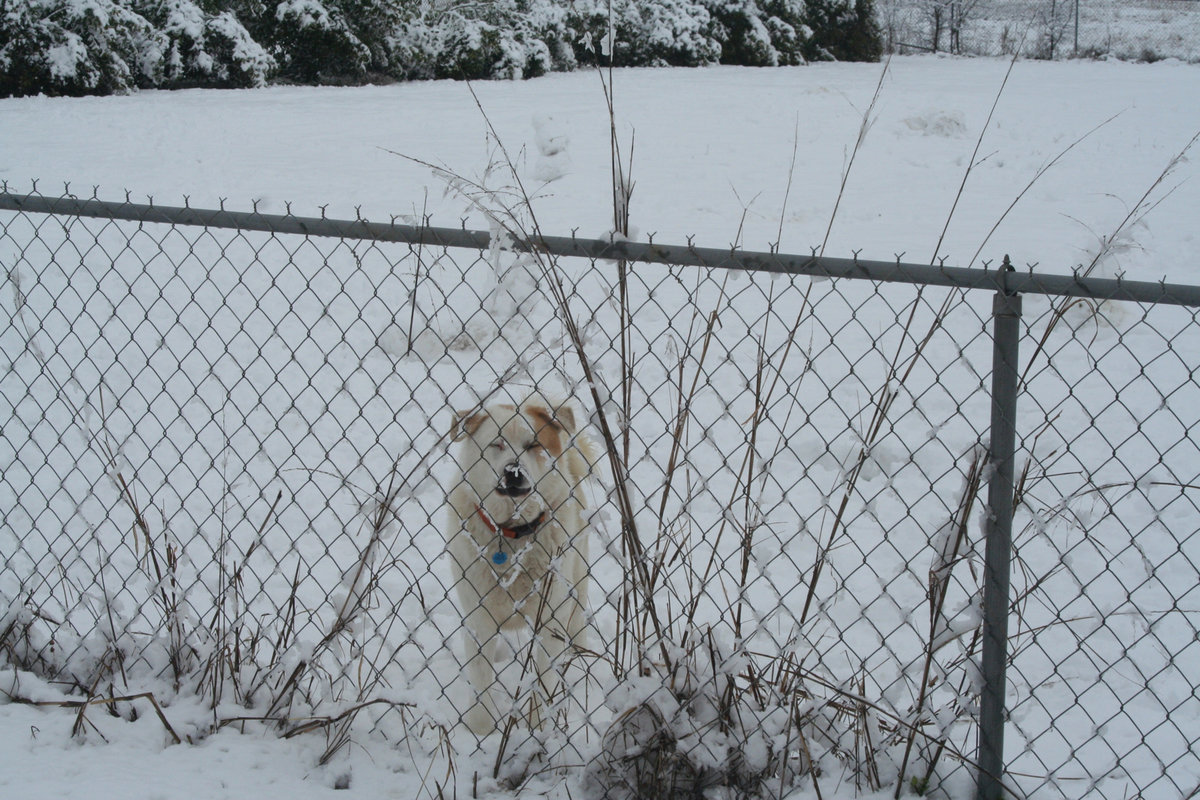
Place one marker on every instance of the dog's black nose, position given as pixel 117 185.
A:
pixel 514 482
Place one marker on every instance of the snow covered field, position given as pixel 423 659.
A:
pixel 270 366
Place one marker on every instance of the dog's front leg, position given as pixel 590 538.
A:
pixel 549 661
pixel 561 629
pixel 482 716
pixel 577 596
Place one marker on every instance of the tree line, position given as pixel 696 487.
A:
pixel 78 47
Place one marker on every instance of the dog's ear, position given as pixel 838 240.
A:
pixel 560 419
pixel 465 424
pixel 565 415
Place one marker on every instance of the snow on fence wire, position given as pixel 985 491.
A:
pixel 225 458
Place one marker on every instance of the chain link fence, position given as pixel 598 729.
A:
pixel 1138 30
pixel 226 454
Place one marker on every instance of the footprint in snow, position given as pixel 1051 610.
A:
pixel 551 140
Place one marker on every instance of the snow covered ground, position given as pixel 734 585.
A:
pixel 709 145
pixel 712 159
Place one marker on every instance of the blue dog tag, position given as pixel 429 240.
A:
pixel 499 558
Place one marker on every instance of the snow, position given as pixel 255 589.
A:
pixel 712 151
pixel 64 59
pixel 168 145
pixel 305 12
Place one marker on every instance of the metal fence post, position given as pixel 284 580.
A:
pixel 1006 316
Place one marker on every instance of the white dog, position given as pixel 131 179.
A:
pixel 518 548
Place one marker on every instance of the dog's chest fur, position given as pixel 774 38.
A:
pixel 510 591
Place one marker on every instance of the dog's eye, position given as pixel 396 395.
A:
pixel 500 446
pixel 535 445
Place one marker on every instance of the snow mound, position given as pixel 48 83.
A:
pixel 937 123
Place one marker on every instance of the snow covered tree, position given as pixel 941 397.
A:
pixel 497 39
pixel 313 42
pixel 72 48
pixel 39 55
pixel 205 49
pixel 677 33
pixel 373 23
pixel 102 46
pixel 843 30
pixel 742 31
pixel 787 24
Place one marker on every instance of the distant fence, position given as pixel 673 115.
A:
pixel 897 524
pixel 1140 30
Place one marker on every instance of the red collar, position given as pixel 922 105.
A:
pixel 515 532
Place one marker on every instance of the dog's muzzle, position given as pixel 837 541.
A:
pixel 514 481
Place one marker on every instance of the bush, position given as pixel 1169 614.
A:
pixel 507 39
pixel 104 46
pixel 38 55
pixel 677 33
pixel 477 50
pixel 205 49
pixel 787 25
pixel 743 34
pixel 843 30
pixel 314 43
pixel 58 47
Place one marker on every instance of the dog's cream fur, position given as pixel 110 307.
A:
pixel 518 464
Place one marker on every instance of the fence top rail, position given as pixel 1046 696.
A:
pixel 1003 279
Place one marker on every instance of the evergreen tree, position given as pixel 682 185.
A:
pixel 206 45
pixel 102 46
pixel 677 33
pixel 313 42
pixel 843 30
pixel 61 47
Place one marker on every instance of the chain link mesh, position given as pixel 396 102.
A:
pixel 1141 30
pixel 226 457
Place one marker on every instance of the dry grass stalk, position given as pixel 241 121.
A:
pixel 228 625
pixel 81 707
pixel 948 553
pixel 360 586
pixel 863 128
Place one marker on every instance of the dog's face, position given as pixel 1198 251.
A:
pixel 509 457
